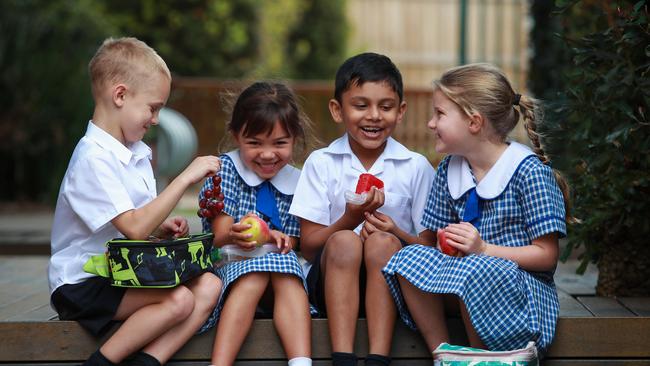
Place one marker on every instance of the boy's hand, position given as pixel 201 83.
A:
pixel 174 227
pixel 466 238
pixel 201 167
pixel 374 200
pixel 378 221
pixel 282 241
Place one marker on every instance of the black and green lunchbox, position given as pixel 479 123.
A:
pixel 157 263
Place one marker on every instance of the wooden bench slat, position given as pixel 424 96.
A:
pixel 605 306
pixel 569 306
pixel 40 312
pixel 639 305
pixel 23 304
pixel 613 337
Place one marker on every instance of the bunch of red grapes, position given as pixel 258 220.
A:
pixel 212 203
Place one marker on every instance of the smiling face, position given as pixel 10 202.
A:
pixel 450 125
pixel 140 106
pixel 266 153
pixel 370 113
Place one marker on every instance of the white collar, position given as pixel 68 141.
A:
pixel 460 179
pixel 285 181
pixel 393 151
pixel 137 150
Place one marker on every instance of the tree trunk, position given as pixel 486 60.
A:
pixel 624 270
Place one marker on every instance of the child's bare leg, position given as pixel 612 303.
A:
pixel 147 313
pixel 340 263
pixel 237 316
pixel 206 290
pixel 428 312
pixel 472 336
pixel 380 307
pixel 291 315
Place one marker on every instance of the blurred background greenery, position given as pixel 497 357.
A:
pixel 588 60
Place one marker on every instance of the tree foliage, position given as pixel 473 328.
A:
pixel 45 47
pixel 600 123
pixel 44 51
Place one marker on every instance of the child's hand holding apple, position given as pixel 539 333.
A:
pixel 250 232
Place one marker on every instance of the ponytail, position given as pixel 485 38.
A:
pixel 528 108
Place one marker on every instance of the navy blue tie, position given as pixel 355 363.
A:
pixel 472 210
pixel 266 205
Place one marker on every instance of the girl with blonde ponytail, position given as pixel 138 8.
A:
pixel 497 209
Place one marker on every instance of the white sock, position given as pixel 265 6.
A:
pixel 300 361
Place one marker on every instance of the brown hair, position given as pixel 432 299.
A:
pixel 263 104
pixel 124 60
pixel 484 89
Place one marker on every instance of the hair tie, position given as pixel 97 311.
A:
pixel 517 98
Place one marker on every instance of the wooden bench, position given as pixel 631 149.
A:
pixel 591 330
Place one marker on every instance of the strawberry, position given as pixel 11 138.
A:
pixel 366 182
pixel 444 246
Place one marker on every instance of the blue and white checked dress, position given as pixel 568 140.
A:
pixel 240 199
pixel 508 306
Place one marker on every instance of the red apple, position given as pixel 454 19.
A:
pixel 366 182
pixel 259 229
pixel 444 246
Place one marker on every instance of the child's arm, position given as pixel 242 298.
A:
pixel 378 221
pixel 141 222
pixel 541 255
pixel 313 236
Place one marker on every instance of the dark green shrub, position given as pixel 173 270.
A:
pixel 602 125
pixel 44 51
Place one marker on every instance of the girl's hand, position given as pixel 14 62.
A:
pixel 380 221
pixel 282 241
pixel 239 238
pixel 200 168
pixel 374 200
pixel 174 227
pixel 466 238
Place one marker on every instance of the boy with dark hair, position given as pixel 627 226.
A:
pixel 347 244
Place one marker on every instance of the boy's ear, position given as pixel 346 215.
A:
pixel 401 111
pixel 476 122
pixel 336 110
pixel 119 94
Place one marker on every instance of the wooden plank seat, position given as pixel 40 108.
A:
pixel 591 331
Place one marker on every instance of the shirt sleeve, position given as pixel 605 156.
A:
pixel 98 195
pixel 543 203
pixel 439 212
pixel 310 200
pixel 422 182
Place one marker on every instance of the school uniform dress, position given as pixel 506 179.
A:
pixel 517 201
pixel 329 172
pixel 240 187
pixel 104 178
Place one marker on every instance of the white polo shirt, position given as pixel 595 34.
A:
pixel 104 179
pixel 329 172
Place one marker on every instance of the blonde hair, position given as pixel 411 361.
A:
pixel 124 60
pixel 484 89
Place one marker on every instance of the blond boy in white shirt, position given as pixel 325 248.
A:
pixel 347 245
pixel 109 191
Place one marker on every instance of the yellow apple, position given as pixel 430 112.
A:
pixel 260 231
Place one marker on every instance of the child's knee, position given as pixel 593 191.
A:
pixel 343 249
pixel 379 247
pixel 179 304
pixel 252 281
pixel 207 290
